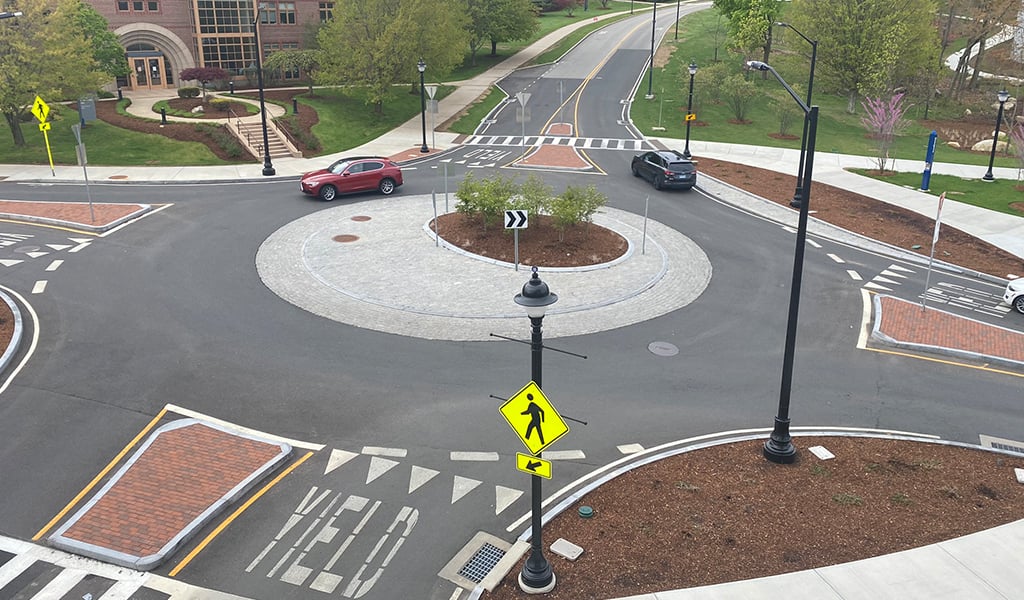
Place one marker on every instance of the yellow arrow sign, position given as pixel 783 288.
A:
pixel 44 126
pixel 691 116
pixel 533 465
pixel 532 417
pixel 40 109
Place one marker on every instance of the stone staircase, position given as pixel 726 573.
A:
pixel 250 134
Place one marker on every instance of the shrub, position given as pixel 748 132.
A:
pixel 220 104
pixel 222 138
pixel 576 205
pixel 188 92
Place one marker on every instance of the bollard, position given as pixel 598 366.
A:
pixel 295 106
pixel 231 86
pixel 120 96
pixel 163 117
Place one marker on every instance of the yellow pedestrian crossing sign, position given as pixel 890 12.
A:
pixel 533 465
pixel 40 109
pixel 532 417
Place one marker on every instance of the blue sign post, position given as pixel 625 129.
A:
pixel 927 176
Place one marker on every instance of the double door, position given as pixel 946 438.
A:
pixel 148 73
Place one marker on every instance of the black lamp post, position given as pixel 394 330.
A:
pixel 268 168
pixel 9 15
pixel 650 67
pixel 798 195
pixel 421 67
pixel 536 576
pixel 1003 96
pixel 677 21
pixel 689 108
pixel 779 447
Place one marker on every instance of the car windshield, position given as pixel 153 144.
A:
pixel 339 167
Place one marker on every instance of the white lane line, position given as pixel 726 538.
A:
pixel 836 258
pixel 854 275
pixel 379 451
pixel 475 456
pixel 39 287
pixel 53 266
pixel 564 455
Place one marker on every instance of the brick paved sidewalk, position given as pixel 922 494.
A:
pixel 906 324
pixel 100 217
pixel 185 474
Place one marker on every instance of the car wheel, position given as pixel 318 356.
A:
pixel 1018 304
pixel 328 193
pixel 636 172
pixel 658 182
pixel 387 185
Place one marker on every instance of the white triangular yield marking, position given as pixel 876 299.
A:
pixel 338 458
pixel 80 240
pixel 36 254
pixel 462 486
pixel 420 475
pixel 9 263
pixel 378 467
pixel 891 274
pixel 874 286
pixel 59 247
pixel 899 268
pixel 884 280
pixel 504 497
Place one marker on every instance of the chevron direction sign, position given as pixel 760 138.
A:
pixel 516 219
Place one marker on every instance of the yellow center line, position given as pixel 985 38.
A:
pixel 209 538
pixel 984 367
pixel 100 476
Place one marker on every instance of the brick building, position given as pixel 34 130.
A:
pixel 162 37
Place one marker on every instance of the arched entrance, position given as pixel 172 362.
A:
pixel 148 68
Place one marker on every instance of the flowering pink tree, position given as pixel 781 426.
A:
pixel 885 121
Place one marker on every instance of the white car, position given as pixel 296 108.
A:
pixel 1014 295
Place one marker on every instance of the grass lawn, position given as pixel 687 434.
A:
pixel 996 195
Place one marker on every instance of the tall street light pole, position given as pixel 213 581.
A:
pixel 1003 97
pixel 650 67
pixel 421 67
pixel 536 576
pixel 677 21
pixel 9 15
pixel 798 195
pixel 268 168
pixel 689 108
pixel 779 447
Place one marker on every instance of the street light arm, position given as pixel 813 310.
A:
pixel 762 66
pixel 806 39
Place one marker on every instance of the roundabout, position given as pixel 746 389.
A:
pixel 379 266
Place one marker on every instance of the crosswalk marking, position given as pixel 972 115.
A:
pixel 632 145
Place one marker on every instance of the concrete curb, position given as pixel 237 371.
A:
pixel 19 328
pixel 93 228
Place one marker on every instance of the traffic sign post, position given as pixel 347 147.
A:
pixel 516 219
pixel 41 110
pixel 83 160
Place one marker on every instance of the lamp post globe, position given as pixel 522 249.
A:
pixel 421 67
pixel 1003 96
pixel 536 576
pixel 689 108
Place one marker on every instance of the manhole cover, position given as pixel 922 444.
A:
pixel 118 177
pixel 345 237
pixel 360 218
pixel 663 348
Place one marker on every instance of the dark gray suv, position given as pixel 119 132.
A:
pixel 665 169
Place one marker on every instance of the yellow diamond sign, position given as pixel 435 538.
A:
pixel 532 417
pixel 40 109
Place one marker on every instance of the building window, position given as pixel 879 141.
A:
pixel 286 12
pixel 153 6
pixel 122 5
pixel 326 11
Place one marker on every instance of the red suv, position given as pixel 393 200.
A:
pixel 354 174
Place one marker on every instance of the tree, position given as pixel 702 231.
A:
pixel 884 119
pixel 739 94
pixel 204 75
pixel 377 43
pixel 43 52
pixel 750 23
pixel 869 46
pixel 569 6
pixel 110 56
pixel 305 61
pixel 499 21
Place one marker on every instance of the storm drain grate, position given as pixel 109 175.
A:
pixel 481 563
pixel 1008 447
pixel 1002 444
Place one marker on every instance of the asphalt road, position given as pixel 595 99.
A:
pixel 170 310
